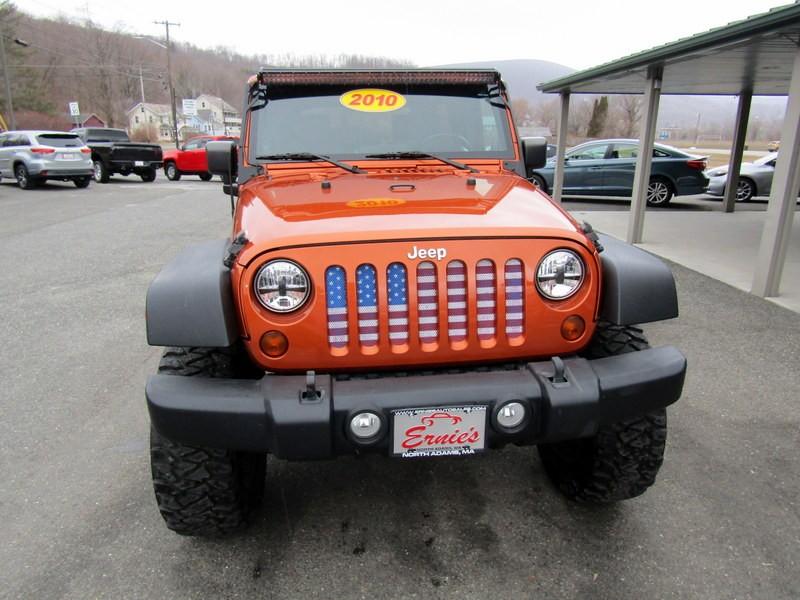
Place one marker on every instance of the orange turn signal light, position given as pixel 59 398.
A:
pixel 572 328
pixel 274 344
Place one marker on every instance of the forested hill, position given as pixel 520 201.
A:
pixel 107 72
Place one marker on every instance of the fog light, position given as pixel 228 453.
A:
pixel 274 344
pixel 510 415
pixel 365 425
pixel 572 328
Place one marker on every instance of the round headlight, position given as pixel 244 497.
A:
pixel 282 286
pixel 559 275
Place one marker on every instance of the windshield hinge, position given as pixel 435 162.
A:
pixel 592 235
pixel 234 248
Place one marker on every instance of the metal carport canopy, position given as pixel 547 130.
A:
pixel 759 55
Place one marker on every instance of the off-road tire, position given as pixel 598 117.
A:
pixel 203 491
pixel 171 171
pixel 148 176
pixel 205 176
pixel 622 460
pixel 101 174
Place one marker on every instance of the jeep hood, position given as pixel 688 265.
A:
pixel 311 209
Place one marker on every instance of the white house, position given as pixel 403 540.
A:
pixel 146 113
pixel 223 118
pixel 214 117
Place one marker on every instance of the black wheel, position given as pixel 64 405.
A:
pixel 203 491
pixel 659 192
pixel 745 190
pixel 82 182
pixel 100 172
pixel 172 172
pixel 623 459
pixel 24 179
pixel 206 176
pixel 148 175
pixel 539 182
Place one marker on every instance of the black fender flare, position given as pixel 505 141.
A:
pixel 637 286
pixel 190 302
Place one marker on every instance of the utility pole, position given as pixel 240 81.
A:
pixel 9 102
pixel 167 24
pixel 141 82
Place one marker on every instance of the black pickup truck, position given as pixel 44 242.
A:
pixel 114 152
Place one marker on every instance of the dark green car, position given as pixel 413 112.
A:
pixel 606 168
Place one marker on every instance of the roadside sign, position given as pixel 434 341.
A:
pixel 190 107
pixel 74 111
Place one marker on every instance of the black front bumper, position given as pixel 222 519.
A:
pixel 278 415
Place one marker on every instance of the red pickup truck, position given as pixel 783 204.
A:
pixel 190 159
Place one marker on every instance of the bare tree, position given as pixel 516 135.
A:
pixel 630 110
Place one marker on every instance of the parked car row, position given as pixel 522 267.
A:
pixel 606 168
pixel 32 157
pixel 595 168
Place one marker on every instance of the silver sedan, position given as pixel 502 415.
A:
pixel 755 178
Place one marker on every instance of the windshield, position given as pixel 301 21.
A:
pixel 56 140
pixel 106 135
pixel 347 122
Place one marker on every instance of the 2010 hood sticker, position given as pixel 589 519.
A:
pixel 375 202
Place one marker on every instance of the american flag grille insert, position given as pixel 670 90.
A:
pixel 336 295
pixel 367 291
pixel 397 292
pixel 457 301
pixel 427 302
pixel 485 285
pixel 515 298
pixel 415 293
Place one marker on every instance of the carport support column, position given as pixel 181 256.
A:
pixel 782 199
pixel 561 147
pixel 641 179
pixel 735 164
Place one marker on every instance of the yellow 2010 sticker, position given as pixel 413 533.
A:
pixel 372 100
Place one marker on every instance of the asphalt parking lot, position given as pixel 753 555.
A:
pixel 77 513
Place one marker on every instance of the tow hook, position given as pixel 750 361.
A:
pixel 311 393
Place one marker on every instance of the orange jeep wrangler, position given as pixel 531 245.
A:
pixel 393 284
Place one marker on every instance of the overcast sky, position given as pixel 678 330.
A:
pixel 575 33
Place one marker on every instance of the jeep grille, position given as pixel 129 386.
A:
pixel 432 282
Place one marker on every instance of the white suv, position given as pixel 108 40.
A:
pixel 32 157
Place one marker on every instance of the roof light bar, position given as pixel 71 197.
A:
pixel 384 77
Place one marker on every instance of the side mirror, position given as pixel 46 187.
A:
pixel 534 152
pixel 222 160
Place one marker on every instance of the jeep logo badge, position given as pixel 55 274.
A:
pixel 437 253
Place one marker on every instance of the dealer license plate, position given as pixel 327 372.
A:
pixel 451 431
pixel 138 163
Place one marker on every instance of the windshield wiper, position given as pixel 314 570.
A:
pixel 310 156
pixel 415 154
